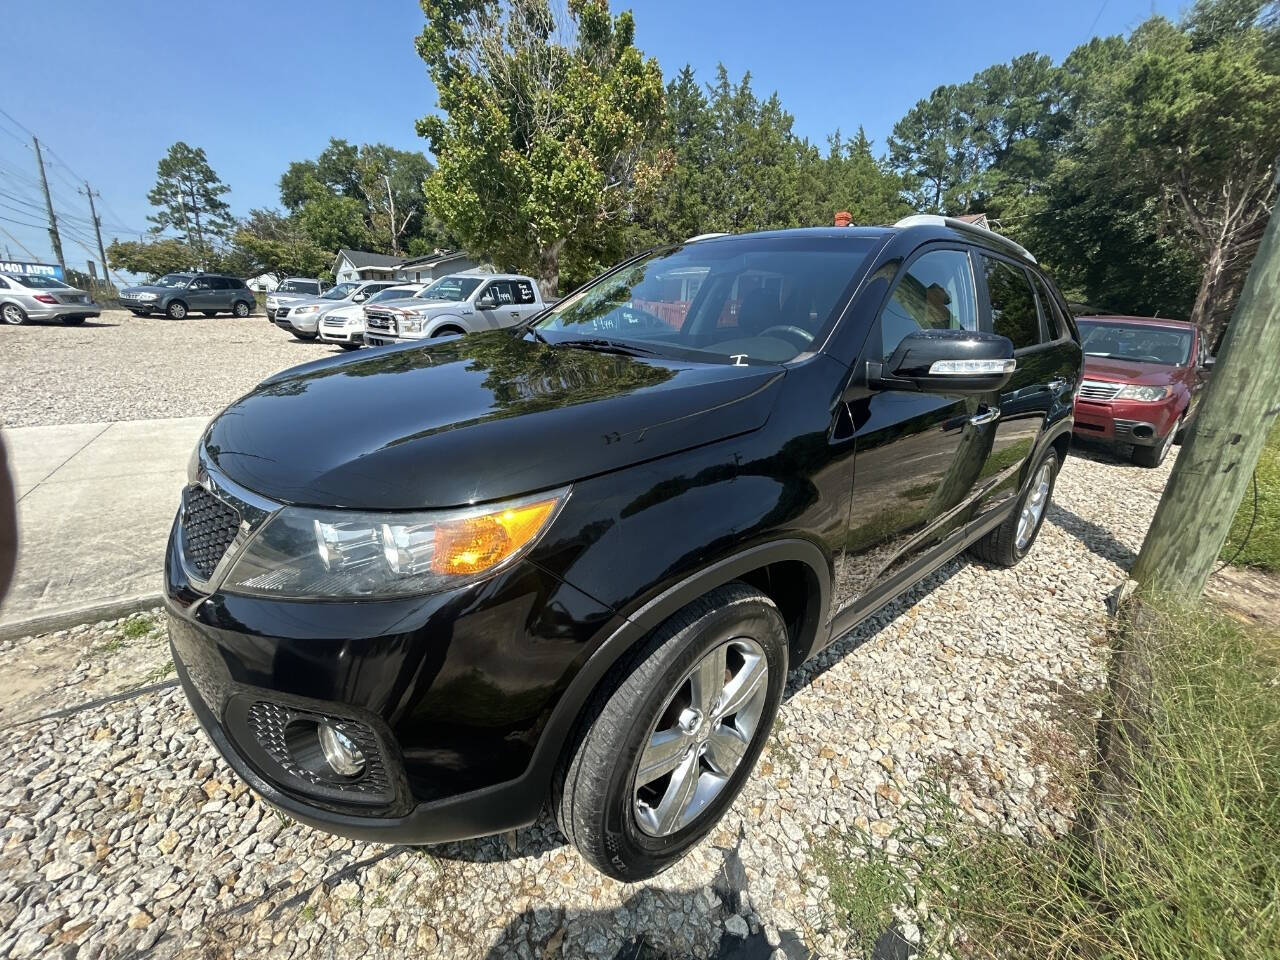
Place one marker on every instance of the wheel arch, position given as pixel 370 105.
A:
pixel 794 573
pixel 447 323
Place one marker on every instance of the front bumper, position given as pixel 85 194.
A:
pixel 1126 421
pixel 455 688
pixel 341 334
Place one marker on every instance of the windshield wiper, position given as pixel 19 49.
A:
pixel 609 346
pixel 536 335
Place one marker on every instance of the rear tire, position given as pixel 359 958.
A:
pixel 1012 540
pixel 665 700
pixel 13 315
pixel 241 309
pixel 176 310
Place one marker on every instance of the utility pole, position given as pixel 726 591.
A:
pixel 97 229
pixel 1217 459
pixel 48 205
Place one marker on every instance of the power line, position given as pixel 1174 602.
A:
pixel 21 246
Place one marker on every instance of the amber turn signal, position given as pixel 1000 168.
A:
pixel 474 544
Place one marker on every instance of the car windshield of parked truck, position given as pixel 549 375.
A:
pixel 453 289
pixel 1145 343
pixel 173 280
pixel 39 282
pixel 767 299
pixel 392 293
pixel 340 292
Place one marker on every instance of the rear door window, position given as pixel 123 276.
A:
pixel 524 292
pixel 1054 324
pixel 1014 313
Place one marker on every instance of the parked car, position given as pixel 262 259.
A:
pixel 301 317
pixel 178 294
pixel 414 592
pixel 1142 380
pixel 26 297
pixel 344 325
pixel 459 303
pixel 292 290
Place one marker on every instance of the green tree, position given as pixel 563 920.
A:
pixel 270 242
pixel 189 199
pixel 930 148
pixel 546 125
pixel 153 259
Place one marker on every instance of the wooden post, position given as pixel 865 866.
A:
pixel 54 238
pixel 1217 459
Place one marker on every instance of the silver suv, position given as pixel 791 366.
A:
pixel 178 294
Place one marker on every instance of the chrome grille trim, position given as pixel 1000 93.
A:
pixel 1100 390
pixel 253 510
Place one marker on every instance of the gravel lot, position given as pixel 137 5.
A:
pixel 122 367
pixel 122 830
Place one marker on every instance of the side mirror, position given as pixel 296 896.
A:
pixel 946 361
pixel 1206 363
pixel 360 298
pixel 486 303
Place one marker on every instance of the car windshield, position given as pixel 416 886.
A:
pixel 40 282
pixel 392 293
pixel 449 288
pixel 173 280
pixel 734 300
pixel 298 286
pixel 1143 342
pixel 340 292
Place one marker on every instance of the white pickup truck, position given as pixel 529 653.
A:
pixel 458 303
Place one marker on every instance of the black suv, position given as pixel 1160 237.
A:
pixel 418 593
pixel 178 294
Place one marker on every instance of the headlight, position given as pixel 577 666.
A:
pixel 339 554
pixel 1145 394
pixel 412 324
pixel 146 296
pixel 301 310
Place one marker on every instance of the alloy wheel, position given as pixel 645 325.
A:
pixel 13 314
pixel 700 737
pixel 1033 506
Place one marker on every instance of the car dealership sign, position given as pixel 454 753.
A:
pixel 24 268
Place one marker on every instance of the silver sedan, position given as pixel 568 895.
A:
pixel 37 297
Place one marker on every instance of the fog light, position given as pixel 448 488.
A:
pixel 340 751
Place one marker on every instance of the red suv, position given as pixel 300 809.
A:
pixel 1142 380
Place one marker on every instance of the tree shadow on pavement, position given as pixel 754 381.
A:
pixel 1096 539
pixel 655 923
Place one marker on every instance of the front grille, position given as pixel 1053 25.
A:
pixel 282 311
pixel 208 527
pixel 336 322
pixel 1099 390
pixel 380 321
pixel 269 723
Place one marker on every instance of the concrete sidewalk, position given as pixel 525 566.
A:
pixel 95 503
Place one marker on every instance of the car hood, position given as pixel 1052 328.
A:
pixel 149 288
pixel 1130 371
pixel 473 419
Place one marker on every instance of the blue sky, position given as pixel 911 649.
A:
pixel 258 84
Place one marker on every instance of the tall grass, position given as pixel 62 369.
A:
pixel 1262 548
pixel 1190 869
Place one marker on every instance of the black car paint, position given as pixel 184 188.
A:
pixel 685 476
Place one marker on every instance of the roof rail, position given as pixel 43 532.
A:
pixel 705 236
pixel 934 220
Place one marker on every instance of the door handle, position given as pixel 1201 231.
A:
pixel 985 416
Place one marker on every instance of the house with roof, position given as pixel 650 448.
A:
pixel 362 265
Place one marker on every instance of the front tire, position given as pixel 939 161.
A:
pixel 13 315
pixel 299 335
pixel 1153 456
pixel 176 310
pixel 1012 540
pixel 672 734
